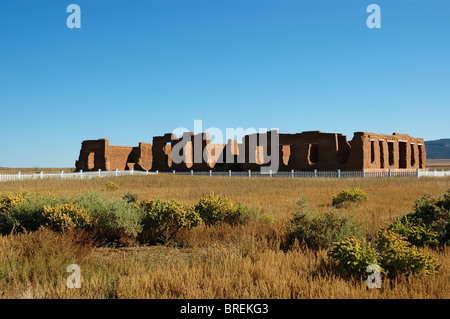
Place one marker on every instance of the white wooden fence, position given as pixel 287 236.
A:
pixel 306 174
pixel 69 175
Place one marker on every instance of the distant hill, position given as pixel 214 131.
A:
pixel 438 148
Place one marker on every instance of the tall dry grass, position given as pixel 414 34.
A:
pixel 240 268
pixel 223 261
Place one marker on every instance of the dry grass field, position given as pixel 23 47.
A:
pixel 244 261
pixel 34 170
pixel 438 164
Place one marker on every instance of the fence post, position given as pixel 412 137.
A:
pixel 62 174
pixel 292 173
pixel 18 175
pixel 417 173
pixel 99 172
pixel 270 173
pixel 390 172
pixel 210 172
pixel 315 173
pixel 146 172
pixel 364 173
pixel 157 171
pixel 229 172
pixel 117 171
pixel 339 173
pixel 192 172
pixel 249 173
pixel 132 171
pixel 42 174
pixel 81 174
pixel 173 172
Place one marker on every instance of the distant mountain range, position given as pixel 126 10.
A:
pixel 438 149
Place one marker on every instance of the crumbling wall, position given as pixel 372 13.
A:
pixel 117 157
pixel 310 150
pixel 313 150
pixel 396 151
pixel 301 151
pixel 98 154
pixel 188 152
pixel 224 156
pixel 141 157
pixel 93 155
pixel 162 152
pixel 145 160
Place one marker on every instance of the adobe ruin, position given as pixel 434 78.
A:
pixel 98 154
pixel 311 150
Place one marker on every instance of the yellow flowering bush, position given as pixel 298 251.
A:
pixel 112 186
pixel 67 216
pixel 146 204
pixel 9 200
pixel 214 209
pixel 162 220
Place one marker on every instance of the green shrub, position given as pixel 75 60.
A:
pixel 433 213
pixel 318 231
pixel 418 235
pixel 389 250
pixel 24 211
pixel 130 197
pixel 261 217
pixel 113 221
pixel 162 220
pixel 354 256
pixel 398 256
pixel 214 209
pixel 349 197
pixel 117 221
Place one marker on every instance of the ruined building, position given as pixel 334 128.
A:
pixel 310 150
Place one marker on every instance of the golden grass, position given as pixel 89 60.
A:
pixel 222 261
pixel 438 164
pixel 34 170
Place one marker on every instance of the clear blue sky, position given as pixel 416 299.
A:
pixel 137 69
